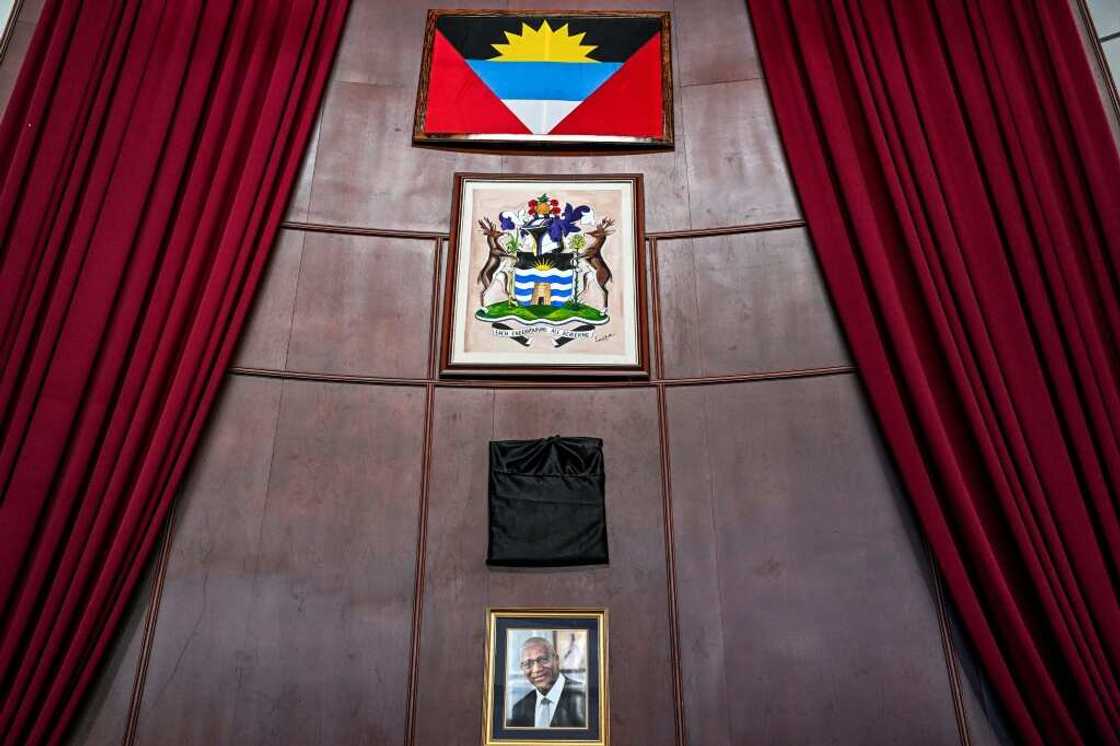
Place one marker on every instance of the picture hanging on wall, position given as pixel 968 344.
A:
pixel 518 77
pixel 546 678
pixel 545 276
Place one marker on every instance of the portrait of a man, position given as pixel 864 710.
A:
pixel 556 700
pixel 546 677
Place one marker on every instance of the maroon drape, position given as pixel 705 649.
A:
pixel 146 157
pixel 962 190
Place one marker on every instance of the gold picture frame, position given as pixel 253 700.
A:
pixel 534 654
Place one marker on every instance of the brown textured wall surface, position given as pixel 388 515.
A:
pixel 298 605
pixel 23 25
pixel 811 620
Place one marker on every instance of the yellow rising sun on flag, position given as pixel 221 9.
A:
pixel 543 45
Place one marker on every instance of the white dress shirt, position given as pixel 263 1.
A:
pixel 544 712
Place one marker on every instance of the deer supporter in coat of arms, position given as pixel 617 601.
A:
pixel 545 273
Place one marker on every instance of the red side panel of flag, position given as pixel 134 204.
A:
pixel 459 102
pixel 628 103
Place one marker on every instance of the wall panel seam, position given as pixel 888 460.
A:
pixel 295 302
pixel 150 618
pixel 949 650
pixel 433 321
pixel 667 500
pixel 1098 57
pixel 655 303
pixel 671 568
pixel 475 383
pixel 421 560
pixel 359 230
pixel 9 31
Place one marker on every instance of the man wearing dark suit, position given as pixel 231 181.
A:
pixel 555 700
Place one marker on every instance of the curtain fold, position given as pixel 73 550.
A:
pixel 146 158
pixel 960 183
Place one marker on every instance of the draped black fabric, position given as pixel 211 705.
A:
pixel 546 503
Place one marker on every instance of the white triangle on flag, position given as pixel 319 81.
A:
pixel 540 116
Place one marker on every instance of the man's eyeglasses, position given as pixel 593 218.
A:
pixel 542 661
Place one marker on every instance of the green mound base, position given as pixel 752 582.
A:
pixel 506 311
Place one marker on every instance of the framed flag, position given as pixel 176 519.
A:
pixel 520 78
pixel 545 277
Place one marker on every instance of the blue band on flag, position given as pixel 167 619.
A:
pixel 552 81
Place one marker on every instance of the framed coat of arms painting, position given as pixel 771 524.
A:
pixel 523 77
pixel 545 276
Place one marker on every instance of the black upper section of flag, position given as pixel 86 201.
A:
pixel 615 39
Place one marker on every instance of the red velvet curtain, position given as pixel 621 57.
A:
pixel 146 158
pixel 962 190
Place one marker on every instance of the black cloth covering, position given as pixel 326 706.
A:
pixel 547 506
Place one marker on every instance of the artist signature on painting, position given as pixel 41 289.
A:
pixel 604 337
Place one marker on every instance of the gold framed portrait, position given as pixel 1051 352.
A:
pixel 546 678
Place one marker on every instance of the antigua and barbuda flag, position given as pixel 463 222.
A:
pixel 578 78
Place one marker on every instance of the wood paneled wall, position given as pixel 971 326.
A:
pixel 323 581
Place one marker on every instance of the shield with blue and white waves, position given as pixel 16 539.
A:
pixel 562 281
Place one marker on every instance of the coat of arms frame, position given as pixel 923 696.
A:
pixel 567 300
pixel 514 143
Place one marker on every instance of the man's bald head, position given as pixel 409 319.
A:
pixel 539 663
